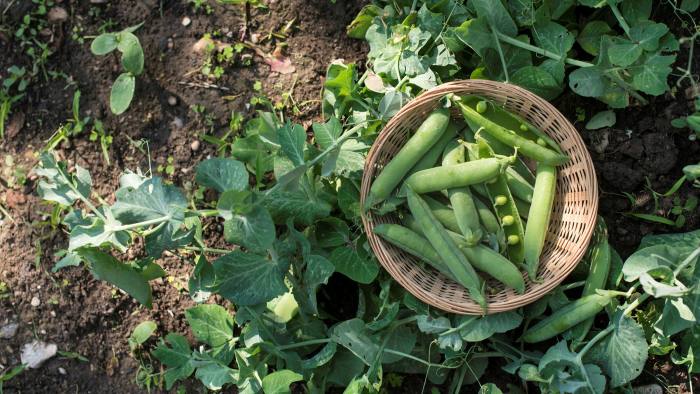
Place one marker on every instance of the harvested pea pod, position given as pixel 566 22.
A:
pixel 464 174
pixel 433 155
pixel 538 217
pixel 461 198
pixel 519 186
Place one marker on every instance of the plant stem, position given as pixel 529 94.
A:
pixel 619 17
pixel 540 51
pixel 500 54
pixel 207 250
pixel 310 342
pixel 140 224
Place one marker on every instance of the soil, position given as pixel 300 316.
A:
pixel 87 317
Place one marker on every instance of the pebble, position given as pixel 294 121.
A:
pixel 186 21
pixel 172 101
pixel 53 313
pixel 62 371
pixel 195 145
pixel 57 14
pixel 36 352
pixel 648 389
pixel 170 43
pixel 35 301
pixel 9 330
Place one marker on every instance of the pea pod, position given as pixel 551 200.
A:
pixel 502 149
pixel 433 155
pixel 523 208
pixel 461 198
pixel 600 258
pixel 567 317
pixel 484 259
pixel 413 150
pixel 488 219
pixel 413 243
pixel 509 137
pixel 519 187
pixel 443 213
pixel 465 174
pixel 446 248
pixel 538 217
pixel 504 205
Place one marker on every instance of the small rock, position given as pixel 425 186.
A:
pixel 195 145
pixel 170 43
pixel 9 330
pixel 35 353
pixel 172 101
pixel 35 301
pixel 98 1
pixel 648 389
pixel 177 123
pixel 53 313
pixel 186 21
pixel 62 371
pixel 57 14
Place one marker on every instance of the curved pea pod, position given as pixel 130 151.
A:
pixel 488 219
pixel 446 248
pixel 567 317
pixel 413 243
pixel 539 215
pixel 511 138
pixel 523 208
pixel 600 258
pixel 443 213
pixel 431 157
pixel 506 210
pixel 461 198
pixel 484 259
pixel 519 187
pixel 413 150
pixel 464 174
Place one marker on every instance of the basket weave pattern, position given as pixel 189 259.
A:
pixel 573 216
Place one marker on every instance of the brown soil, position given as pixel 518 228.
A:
pixel 88 317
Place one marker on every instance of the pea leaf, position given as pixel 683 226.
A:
pixel 621 354
pixel 488 325
pixel 647 34
pixel 553 37
pixel 327 134
pixel 141 333
pixel 211 324
pixel 292 139
pixel 248 278
pixel 278 382
pixel 588 82
pixel 107 268
pixel 354 336
pixel 297 205
pixel 222 174
pixel 624 52
pixel 538 81
pixel 132 53
pixel 58 185
pixel 201 283
pixel 254 230
pixel 177 357
pixel 104 44
pixel 601 119
pixel 97 232
pixel 215 375
pixel 354 263
pixel 496 15
pixel 122 93
pixel 651 75
pixel 590 36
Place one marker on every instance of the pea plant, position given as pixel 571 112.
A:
pixel 131 59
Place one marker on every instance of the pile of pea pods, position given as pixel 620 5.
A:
pixel 469 203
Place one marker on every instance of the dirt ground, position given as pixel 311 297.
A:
pixel 87 317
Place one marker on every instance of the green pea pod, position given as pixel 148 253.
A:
pixel 510 137
pixel 461 198
pixel 538 217
pixel 567 317
pixel 484 259
pixel 523 208
pixel 504 205
pixel 443 213
pixel 519 187
pixel 413 150
pixel 446 248
pixel 600 258
pixel 433 155
pixel 465 174
pixel 488 219
pixel 413 243
pixel 502 149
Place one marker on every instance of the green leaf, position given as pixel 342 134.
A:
pixel 253 230
pixel 588 81
pixel 496 15
pixel 331 232
pixel 622 353
pixel 648 34
pixel 107 268
pixel 201 283
pixel 340 87
pixel 98 232
pixel 297 205
pixel 623 52
pixel 651 75
pixel 636 12
pixel 354 336
pixel 132 53
pixel 255 152
pixel 292 139
pixel 690 5
pixel 490 388
pixel 222 174
pixel 58 185
pixel 122 93
pixel 318 270
pixel 515 58
pixel 355 264
pixel 601 119
pixel 323 356
pixel 358 27
pixel 476 34
pixel 141 333
pixel 249 279
pixel 327 134
pixel 590 35
pixel 538 81
pixel 278 382
pixel 178 358
pixel 488 325
pixel 211 324
pixel 104 44
pixel 214 375
pixel 553 37
pixel 650 258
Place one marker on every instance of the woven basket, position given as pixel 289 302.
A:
pixel 572 222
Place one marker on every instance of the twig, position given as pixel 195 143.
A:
pixel 205 85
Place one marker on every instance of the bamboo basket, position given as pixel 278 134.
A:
pixel 572 222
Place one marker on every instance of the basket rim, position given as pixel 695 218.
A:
pixel 537 290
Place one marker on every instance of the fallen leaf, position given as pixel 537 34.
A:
pixel 279 63
pixel 15 125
